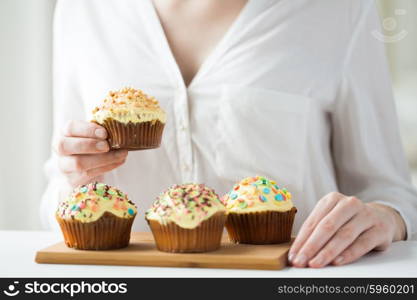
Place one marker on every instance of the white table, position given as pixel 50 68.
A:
pixel 17 252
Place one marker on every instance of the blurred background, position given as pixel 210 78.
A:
pixel 26 91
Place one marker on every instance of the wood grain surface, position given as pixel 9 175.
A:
pixel 142 252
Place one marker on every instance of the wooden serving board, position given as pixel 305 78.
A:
pixel 142 252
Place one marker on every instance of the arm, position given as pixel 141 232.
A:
pixel 377 203
pixel 80 152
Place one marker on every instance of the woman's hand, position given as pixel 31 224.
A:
pixel 341 229
pixel 84 153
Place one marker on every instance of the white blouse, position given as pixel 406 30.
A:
pixel 298 91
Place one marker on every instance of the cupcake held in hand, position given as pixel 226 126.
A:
pixel 96 217
pixel 187 218
pixel 259 212
pixel 133 120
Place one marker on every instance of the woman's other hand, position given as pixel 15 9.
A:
pixel 84 153
pixel 341 229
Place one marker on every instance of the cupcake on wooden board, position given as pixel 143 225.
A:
pixel 133 120
pixel 96 217
pixel 187 218
pixel 259 212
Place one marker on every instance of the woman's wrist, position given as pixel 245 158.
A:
pixel 400 232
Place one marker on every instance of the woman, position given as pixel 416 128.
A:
pixel 298 91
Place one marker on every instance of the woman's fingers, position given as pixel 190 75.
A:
pixel 79 178
pixel 84 152
pixel 341 229
pixel 343 238
pixel 323 207
pixel 85 129
pixel 75 145
pixel 345 209
pixel 101 170
pixel 367 241
pixel 80 137
pixel 80 163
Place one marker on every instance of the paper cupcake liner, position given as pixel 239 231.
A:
pixel 173 238
pixel 269 227
pixel 108 232
pixel 134 136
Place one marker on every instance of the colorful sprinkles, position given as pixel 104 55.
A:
pixel 186 204
pixel 88 202
pixel 253 190
pixel 279 197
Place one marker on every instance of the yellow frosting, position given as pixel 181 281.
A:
pixel 87 203
pixel 129 105
pixel 186 205
pixel 255 194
